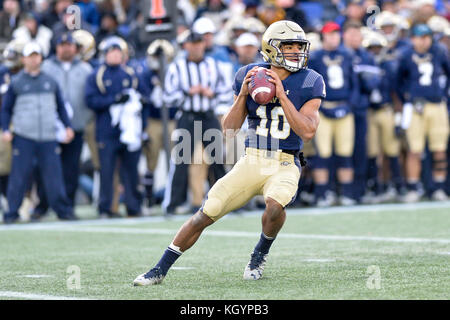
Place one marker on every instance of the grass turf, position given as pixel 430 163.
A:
pixel 112 254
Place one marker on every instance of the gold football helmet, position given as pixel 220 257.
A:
pixel 86 44
pixel 279 33
pixel 13 53
pixel 374 39
pixel 438 24
pixel 389 24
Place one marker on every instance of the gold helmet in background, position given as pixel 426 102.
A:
pixel 438 24
pixel 389 25
pixel 374 39
pixel 11 57
pixel 86 43
pixel 279 33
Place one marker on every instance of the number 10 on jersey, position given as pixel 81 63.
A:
pixel 275 116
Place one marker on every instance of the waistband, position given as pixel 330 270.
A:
pixel 273 154
pixel 332 104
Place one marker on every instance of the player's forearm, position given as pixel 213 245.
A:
pixel 305 127
pixel 235 117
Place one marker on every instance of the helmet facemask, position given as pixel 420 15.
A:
pixel 287 60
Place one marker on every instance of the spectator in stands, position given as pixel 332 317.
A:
pixel 10 17
pixel 355 11
pixel 205 27
pixel 53 14
pixel 65 25
pixel 293 13
pixel 108 27
pixel 89 13
pixel 216 10
pixel 32 30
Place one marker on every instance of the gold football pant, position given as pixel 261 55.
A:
pixel 155 133
pixel 433 124
pixel 339 131
pixel 273 174
pixel 5 157
pixel 381 133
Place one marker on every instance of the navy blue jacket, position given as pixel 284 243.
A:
pixel 103 88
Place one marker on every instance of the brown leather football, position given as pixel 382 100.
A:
pixel 260 88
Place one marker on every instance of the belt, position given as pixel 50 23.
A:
pixel 332 104
pixel 295 153
pixel 277 154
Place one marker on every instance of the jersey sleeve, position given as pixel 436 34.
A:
pixel 238 79
pixel 319 90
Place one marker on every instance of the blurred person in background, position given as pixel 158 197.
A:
pixel 147 70
pixel 11 65
pixel 337 127
pixel 32 105
pixel 205 27
pixel 196 85
pixel 425 114
pixel 108 27
pixel 67 20
pixel 89 13
pixel 10 18
pixel 108 90
pixel 369 78
pixel 53 14
pixel 383 142
pixel 71 74
pixel 354 11
pixel 32 30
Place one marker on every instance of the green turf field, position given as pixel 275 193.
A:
pixel 377 252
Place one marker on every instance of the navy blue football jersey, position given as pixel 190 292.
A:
pixel 419 74
pixel 336 67
pixel 268 126
pixel 383 92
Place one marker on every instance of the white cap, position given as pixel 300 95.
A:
pixel 247 39
pixel 204 25
pixel 31 47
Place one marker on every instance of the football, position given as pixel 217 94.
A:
pixel 260 88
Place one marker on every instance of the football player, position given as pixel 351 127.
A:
pixel 337 126
pixel 382 139
pixel 369 78
pixel 425 115
pixel 271 165
pixel 12 64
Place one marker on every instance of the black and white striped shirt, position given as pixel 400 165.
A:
pixel 183 74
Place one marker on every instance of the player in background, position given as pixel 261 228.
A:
pixel 369 78
pixel 337 127
pixel 383 142
pixel 425 114
pixel 271 165
pixel 147 70
pixel 12 64
pixel 390 25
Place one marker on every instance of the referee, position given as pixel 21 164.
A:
pixel 196 85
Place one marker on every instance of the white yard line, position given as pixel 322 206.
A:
pixel 241 234
pixel 34 296
pixel 291 212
